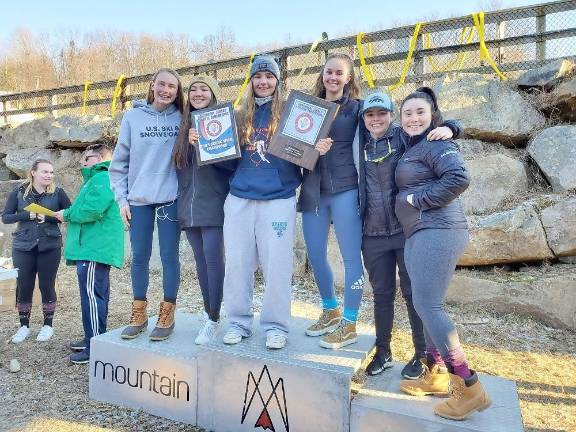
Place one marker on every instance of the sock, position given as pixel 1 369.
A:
pixel 350 315
pixel 214 316
pixel 48 311
pixel 457 364
pixel 24 313
pixel 330 303
pixel 433 357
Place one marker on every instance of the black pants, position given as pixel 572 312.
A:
pixel 29 264
pixel 381 255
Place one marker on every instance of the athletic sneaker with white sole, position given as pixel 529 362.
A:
pixel 21 334
pixel 275 340
pixel 233 336
pixel 45 333
pixel 207 332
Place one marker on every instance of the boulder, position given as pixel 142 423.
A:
pixel 511 236
pixel 554 151
pixel 6 231
pixel 489 109
pixel 29 135
pixel 562 101
pixel 6 187
pixel 81 131
pixel 550 299
pixel 547 76
pixel 559 223
pixel 494 178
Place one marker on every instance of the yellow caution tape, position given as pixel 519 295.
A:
pixel 245 83
pixel 411 48
pixel 312 48
pixel 460 57
pixel 484 53
pixel 85 96
pixel 117 92
pixel 367 71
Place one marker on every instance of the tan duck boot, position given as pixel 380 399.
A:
pixel 165 323
pixel 434 381
pixel 138 320
pixel 466 397
pixel 327 322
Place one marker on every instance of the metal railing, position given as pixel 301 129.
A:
pixel 515 40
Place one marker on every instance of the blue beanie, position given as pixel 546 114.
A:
pixel 265 63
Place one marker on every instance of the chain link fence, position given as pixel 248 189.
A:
pixel 505 43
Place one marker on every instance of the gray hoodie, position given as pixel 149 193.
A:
pixel 141 171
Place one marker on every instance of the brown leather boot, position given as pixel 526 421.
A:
pixel 466 396
pixel 434 381
pixel 138 320
pixel 165 323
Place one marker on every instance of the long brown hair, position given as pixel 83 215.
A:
pixel 427 94
pixel 179 101
pixel 29 180
pixel 352 89
pixel 245 114
pixel 182 149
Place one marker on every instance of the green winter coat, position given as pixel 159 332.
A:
pixel 95 230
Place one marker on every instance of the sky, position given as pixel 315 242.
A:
pixel 253 23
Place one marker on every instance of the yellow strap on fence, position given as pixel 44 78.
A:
pixel 411 48
pixel 312 48
pixel 460 57
pixel 117 92
pixel 367 71
pixel 85 97
pixel 484 53
pixel 99 94
pixel 245 83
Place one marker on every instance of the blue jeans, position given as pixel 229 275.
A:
pixel 342 209
pixel 141 230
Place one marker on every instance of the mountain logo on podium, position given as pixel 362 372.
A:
pixel 276 399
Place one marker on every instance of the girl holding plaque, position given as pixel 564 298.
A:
pixel 36 245
pixel 144 181
pixel 330 194
pixel 201 194
pixel 260 214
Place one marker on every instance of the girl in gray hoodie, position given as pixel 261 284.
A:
pixel 144 181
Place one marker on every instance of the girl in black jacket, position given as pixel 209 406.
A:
pixel 36 245
pixel 430 177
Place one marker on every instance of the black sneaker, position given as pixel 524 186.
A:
pixel 414 368
pixel 81 357
pixel 79 345
pixel 379 364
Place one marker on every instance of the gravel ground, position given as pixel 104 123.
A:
pixel 49 394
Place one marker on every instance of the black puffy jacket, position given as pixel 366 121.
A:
pixel 436 175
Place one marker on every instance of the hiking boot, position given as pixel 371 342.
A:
pixel 345 334
pixel 207 332
pixel 414 368
pixel 138 320
pixel 327 323
pixel 275 340
pixel 81 357
pixel 79 345
pixel 380 362
pixel 433 381
pixel 165 323
pixel 466 397
pixel 21 335
pixel 45 333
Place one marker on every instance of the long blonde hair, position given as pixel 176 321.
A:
pixel 179 101
pixel 351 88
pixel 245 114
pixel 29 179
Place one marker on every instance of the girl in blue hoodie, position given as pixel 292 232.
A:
pixel 260 214
pixel 144 181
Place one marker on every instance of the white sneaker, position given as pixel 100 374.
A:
pixel 207 333
pixel 45 333
pixel 232 336
pixel 275 340
pixel 21 334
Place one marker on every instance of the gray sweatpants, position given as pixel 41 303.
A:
pixel 431 256
pixel 259 233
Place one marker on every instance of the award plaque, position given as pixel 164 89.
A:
pixel 217 135
pixel 305 119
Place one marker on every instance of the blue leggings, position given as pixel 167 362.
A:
pixel 141 230
pixel 208 246
pixel 342 209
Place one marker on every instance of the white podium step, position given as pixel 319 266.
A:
pixel 381 406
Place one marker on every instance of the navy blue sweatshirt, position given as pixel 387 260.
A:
pixel 259 175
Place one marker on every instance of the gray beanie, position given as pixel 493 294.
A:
pixel 265 63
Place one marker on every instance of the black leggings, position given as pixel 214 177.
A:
pixel 29 264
